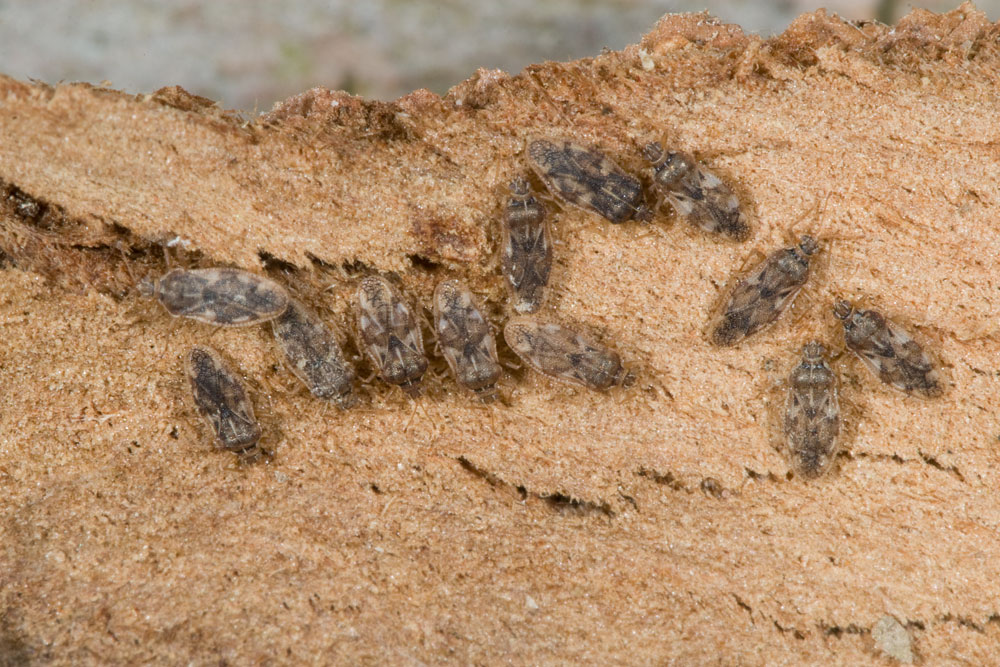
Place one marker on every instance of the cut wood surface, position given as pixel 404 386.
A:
pixel 647 525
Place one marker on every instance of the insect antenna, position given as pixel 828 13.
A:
pixel 532 76
pixel 416 405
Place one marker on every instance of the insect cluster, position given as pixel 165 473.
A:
pixel 812 419
pixel 389 332
pixel 585 178
pixel 228 297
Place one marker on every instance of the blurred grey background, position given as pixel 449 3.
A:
pixel 249 54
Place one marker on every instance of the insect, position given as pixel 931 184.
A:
pixel 759 299
pixel 220 296
pixel 586 178
pixel 564 354
pixel 888 351
pixel 697 194
pixel 526 255
pixel 390 334
pixel 812 413
pixel 223 402
pixel 314 355
pixel 466 339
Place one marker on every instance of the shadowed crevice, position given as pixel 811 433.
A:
pixel 559 502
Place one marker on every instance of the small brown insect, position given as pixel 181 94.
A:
pixel 314 355
pixel 586 178
pixel 812 414
pixel 219 296
pixel 526 255
pixel 564 354
pixel 466 339
pixel 758 300
pixel 697 194
pixel 390 334
pixel 889 351
pixel 223 402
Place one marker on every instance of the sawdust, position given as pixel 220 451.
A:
pixel 558 525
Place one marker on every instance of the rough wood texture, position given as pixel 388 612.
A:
pixel 559 525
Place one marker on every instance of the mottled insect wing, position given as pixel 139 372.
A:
pixel 220 296
pixel 314 355
pixel 526 251
pixel 466 339
pixel 697 194
pixel 564 354
pixel 758 300
pixel 390 334
pixel 222 400
pixel 586 178
pixel 889 351
pixel 812 414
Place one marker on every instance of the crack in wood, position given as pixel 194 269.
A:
pixel 557 501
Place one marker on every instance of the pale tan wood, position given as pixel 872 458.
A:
pixel 558 525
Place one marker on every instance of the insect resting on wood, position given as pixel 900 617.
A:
pixel 812 414
pixel 588 179
pixel 526 251
pixel 222 401
pixel 696 194
pixel 757 300
pixel 889 351
pixel 564 354
pixel 220 296
pixel 466 339
pixel 314 355
pixel 390 334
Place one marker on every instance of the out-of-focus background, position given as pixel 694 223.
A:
pixel 249 54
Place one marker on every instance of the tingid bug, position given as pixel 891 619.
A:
pixel 758 300
pixel 222 401
pixel 696 194
pixel 466 339
pixel 390 334
pixel 220 296
pixel 588 179
pixel 564 354
pixel 314 355
pixel 526 251
pixel 888 351
pixel 812 414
